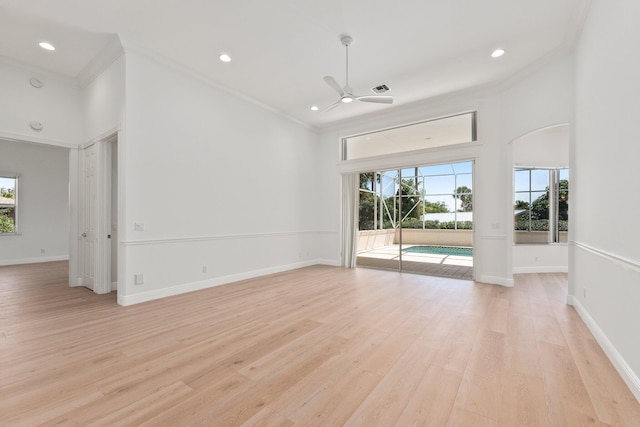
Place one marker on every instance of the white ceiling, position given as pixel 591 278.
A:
pixel 281 49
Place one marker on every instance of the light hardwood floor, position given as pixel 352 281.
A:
pixel 316 346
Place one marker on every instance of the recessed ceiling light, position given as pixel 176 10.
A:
pixel 224 57
pixel 497 53
pixel 346 99
pixel 314 108
pixel 47 46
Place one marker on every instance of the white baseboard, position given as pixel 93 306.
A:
pixel 34 260
pixel 541 269
pixel 621 365
pixel 209 283
pixel 330 262
pixel 494 280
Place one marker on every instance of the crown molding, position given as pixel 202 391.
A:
pixel 576 24
pixel 158 58
pixel 100 62
pixel 40 72
pixel 14 137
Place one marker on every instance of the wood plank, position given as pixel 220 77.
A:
pixel 319 346
pixel 432 402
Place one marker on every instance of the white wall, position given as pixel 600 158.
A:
pixel 56 105
pixel 543 148
pixel 43 194
pixel 103 101
pixel 44 185
pixel 605 254
pixel 540 258
pixel 219 183
pixel 540 97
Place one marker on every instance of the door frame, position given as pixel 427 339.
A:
pixel 381 164
pixel 102 255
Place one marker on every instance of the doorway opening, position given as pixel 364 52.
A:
pixel 98 216
pixel 418 219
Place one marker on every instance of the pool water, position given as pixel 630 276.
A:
pixel 439 250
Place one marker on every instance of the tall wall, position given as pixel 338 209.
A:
pixel 43 166
pixel 605 254
pixel 221 189
pixel 57 105
pixel 539 98
pixel 102 100
pixel 43 212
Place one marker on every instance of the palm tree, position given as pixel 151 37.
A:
pixel 463 193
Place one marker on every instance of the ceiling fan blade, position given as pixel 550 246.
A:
pixel 332 106
pixel 378 99
pixel 333 84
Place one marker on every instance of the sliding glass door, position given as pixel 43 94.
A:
pixel 417 220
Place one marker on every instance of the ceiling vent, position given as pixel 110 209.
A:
pixel 380 89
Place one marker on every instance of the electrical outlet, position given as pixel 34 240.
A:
pixel 138 226
pixel 42 251
pixel 584 292
pixel 139 279
pixel 204 269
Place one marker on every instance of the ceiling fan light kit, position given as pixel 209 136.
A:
pixel 346 93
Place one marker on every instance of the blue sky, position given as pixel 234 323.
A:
pixel 439 179
pixel 7 182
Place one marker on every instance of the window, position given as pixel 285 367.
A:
pixel 429 134
pixel 432 197
pixel 541 205
pixel 8 203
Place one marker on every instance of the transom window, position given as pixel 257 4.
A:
pixel 434 133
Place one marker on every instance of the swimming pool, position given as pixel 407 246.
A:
pixel 439 250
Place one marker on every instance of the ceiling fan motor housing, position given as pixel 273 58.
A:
pixel 346 40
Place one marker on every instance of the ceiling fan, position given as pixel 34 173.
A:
pixel 346 93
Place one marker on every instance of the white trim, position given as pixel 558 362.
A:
pixel 541 269
pixel 162 60
pixel 493 237
pixel 33 260
pixel 107 136
pixel 531 132
pixel 101 62
pixel 8 136
pixel 218 237
pixel 616 259
pixel 423 157
pixel 205 284
pixel 38 70
pixel 494 280
pixel 623 368
pixel 576 23
pixel 329 262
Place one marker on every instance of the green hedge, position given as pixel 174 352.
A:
pixel 539 225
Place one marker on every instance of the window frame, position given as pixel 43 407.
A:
pixel 16 209
pixel 473 114
pixel 553 189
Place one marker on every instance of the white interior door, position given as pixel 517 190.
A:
pixel 95 217
pixel 88 220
